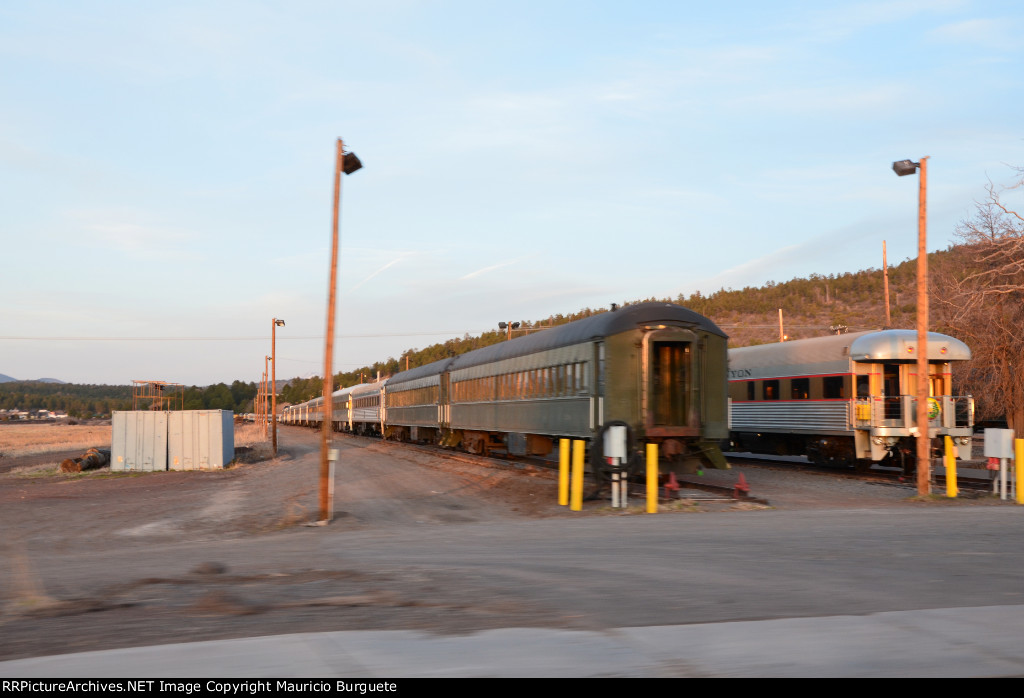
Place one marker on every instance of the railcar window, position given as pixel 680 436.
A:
pixel 834 387
pixel 750 390
pixel 770 390
pixel 800 388
pixel 863 386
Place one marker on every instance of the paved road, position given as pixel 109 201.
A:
pixel 897 591
pixel 956 642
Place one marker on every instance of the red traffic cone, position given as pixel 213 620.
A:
pixel 742 489
pixel 671 486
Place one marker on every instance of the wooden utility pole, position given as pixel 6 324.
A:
pixel 266 382
pixel 903 168
pixel 347 163
pixel 273 390
pixel 328 407
pixel 782 336
pixel 885 286
pixel 924 456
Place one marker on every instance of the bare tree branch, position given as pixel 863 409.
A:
pixel 979 295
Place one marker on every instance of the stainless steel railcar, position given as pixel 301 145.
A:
pixel 657 368
pixel 357 408
pixel 847 399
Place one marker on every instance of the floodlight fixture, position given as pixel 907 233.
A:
pixel 905 167
pixel 350 163
pixel 508 327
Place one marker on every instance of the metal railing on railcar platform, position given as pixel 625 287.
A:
pixel 900 411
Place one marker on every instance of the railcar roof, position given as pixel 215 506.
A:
pixel 432 369
pixel 359 387
pixel 901 345
pixel 589 329
pixel 873 345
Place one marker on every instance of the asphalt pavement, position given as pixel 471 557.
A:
pixel 953 642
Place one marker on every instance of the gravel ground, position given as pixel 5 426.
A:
pixel 62 588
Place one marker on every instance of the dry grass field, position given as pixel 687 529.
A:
pixel 27 446
pixel 31 439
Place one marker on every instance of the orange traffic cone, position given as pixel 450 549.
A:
pixel 742 489
pixel 671 486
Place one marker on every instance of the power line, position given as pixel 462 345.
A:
pixel 230 339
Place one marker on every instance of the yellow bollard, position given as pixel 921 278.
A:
pixel 1018 459
pixel 950 458
pixel 563 472
pixel 652 478
pixel 577 475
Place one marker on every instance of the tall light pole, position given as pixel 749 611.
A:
pixel 924 456
pixel 266 376
pixel 273 372
pixel 347 163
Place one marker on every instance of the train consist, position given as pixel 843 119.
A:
pixel 657 369
pixel 846 400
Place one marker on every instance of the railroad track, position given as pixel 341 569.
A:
pixel 592 488
pixel 881 475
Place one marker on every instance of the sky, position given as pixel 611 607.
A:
pixel 167 170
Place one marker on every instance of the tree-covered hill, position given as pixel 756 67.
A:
pixel 810 307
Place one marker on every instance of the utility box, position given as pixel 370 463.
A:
pixel 138 441
pixel 615 443
pixel 999 443
pixel 200 439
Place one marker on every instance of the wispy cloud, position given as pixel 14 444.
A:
pixel 120 234
pixel 484 270
pixel 987 33
pixel 382 269
pixel 837 21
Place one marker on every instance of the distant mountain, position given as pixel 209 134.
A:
pixel 7 379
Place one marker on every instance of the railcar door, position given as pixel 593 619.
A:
pixel 443 415
pixel 891 391
pixel 668 402
pixel 597 388
pixel 670 368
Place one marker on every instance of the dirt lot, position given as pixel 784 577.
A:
pixel 57 596
pixel 107 559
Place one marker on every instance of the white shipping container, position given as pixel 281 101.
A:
pixel 200 439
pixel 138 441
